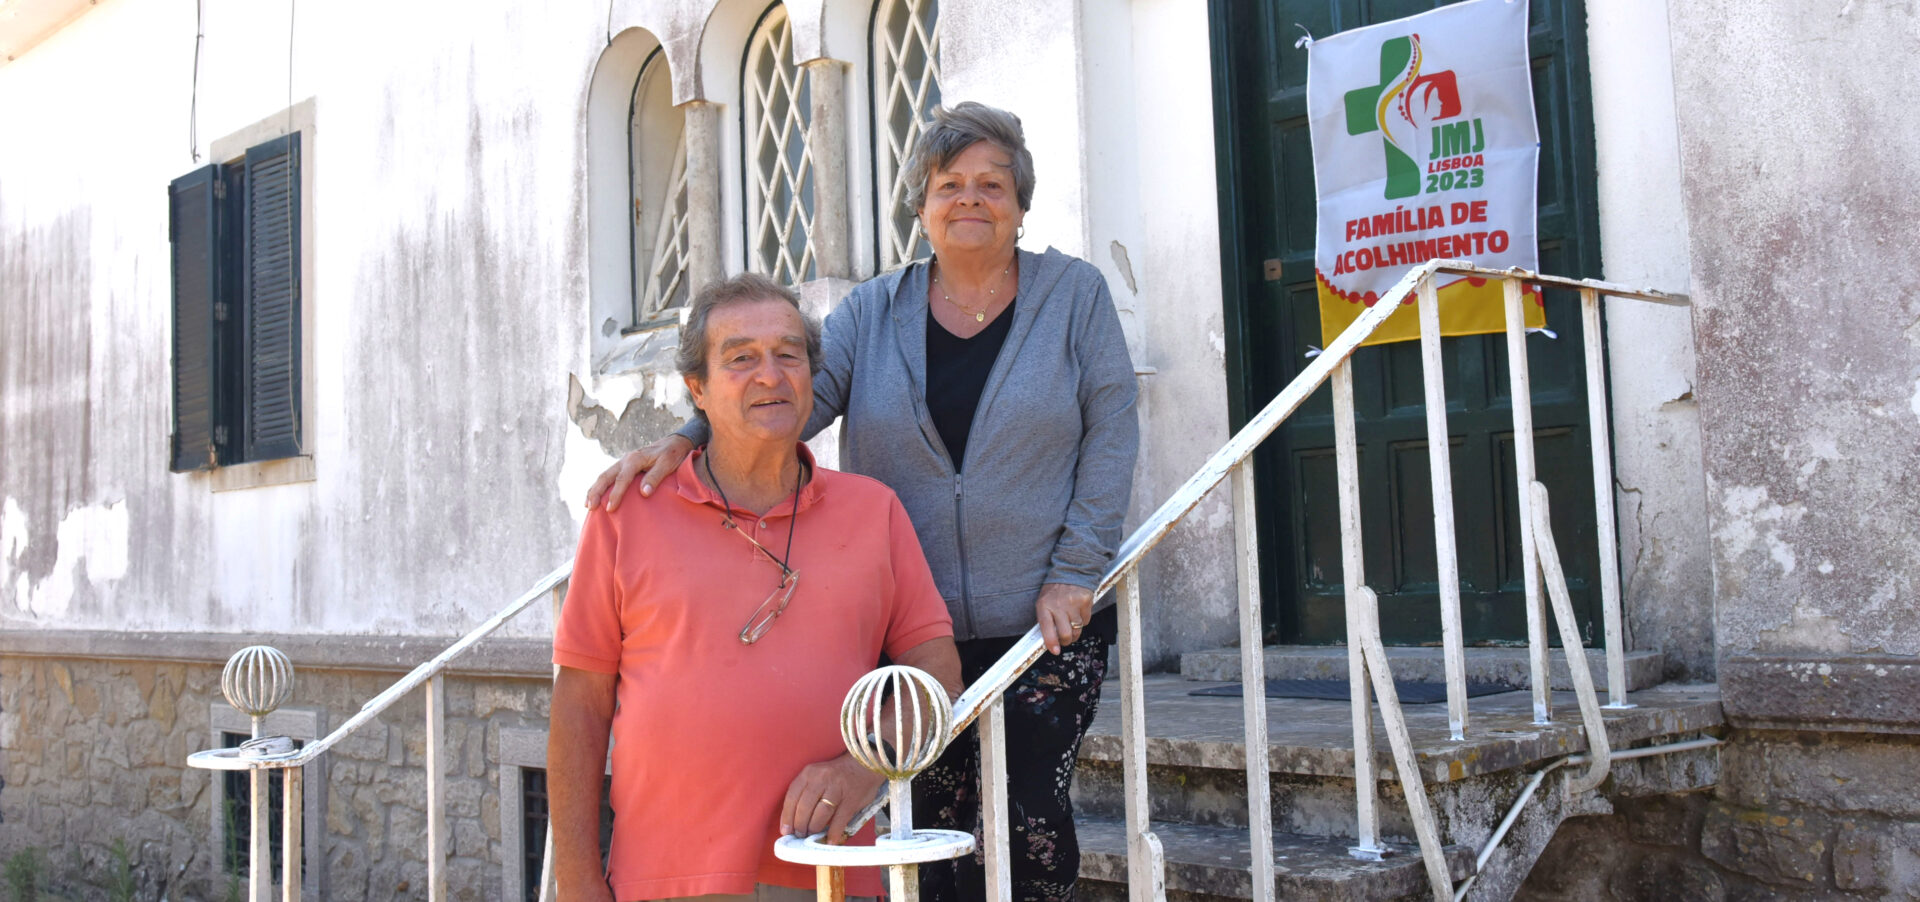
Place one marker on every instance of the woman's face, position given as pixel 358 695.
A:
pixel 971 204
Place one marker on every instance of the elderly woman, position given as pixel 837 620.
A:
pixel 991 388
pixel 728 634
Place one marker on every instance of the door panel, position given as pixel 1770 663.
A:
pixel 1268 210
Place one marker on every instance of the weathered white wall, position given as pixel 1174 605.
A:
pixel 1024 57
pixel 456 249
pixel 460 403
pixel 1154 231
pixel 445 304
pixel 1800 200
pixel 1666 583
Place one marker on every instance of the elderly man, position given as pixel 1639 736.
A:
pixel 715 637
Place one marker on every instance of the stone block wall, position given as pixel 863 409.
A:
pixel 91 753
pixel 95 751
pixel 1796 815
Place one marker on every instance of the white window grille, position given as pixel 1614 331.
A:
pixel 906 87
pixel 657 168
pixel 778 165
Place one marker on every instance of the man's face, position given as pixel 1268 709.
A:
pixel 759 383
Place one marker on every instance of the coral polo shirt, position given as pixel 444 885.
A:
pixel 708 732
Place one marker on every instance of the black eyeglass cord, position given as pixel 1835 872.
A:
pixel 793 522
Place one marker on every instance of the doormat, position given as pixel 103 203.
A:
pixel 1411 693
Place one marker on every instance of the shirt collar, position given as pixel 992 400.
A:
pixel 694 490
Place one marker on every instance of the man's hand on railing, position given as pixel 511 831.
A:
pixel 825 797
pixel 655 461
pixel 1062 611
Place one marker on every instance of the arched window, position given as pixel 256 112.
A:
pixel 777 165
pixel 906 86
pixel 657 170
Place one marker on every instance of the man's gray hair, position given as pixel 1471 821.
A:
pixel 747 286
pixel 953 130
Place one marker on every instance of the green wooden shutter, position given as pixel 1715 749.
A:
pixel 193 226
pixel 270 355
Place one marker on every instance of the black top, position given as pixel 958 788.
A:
pixel 957 371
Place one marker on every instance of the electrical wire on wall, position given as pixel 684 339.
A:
pixel 193 104
pixel 290 11
pixel 293 253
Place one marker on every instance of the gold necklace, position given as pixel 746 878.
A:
pixel 980 315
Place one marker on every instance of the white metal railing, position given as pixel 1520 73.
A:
pixel 431 673
pixel 1368 669
pixel 1369 673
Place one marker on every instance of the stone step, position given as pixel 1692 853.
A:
pixel 1209 863
pixel 1501 666
pixel 1196 754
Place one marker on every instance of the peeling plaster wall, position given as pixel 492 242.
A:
pixel 1800 201
pixel 447 250
pixel 458 407
pixel 1660 497
pixel 1154 231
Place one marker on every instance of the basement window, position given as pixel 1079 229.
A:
pixel 533 827
pixel 237 857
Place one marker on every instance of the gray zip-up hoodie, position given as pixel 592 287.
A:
pixel 1049 465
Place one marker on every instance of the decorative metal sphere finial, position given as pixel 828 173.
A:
pixel 258 680
pixel 918 734
pixel 896 748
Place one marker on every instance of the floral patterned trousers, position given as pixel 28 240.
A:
pixel 1047 713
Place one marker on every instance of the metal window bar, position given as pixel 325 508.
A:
pixel 667 282
pixel 660 199
pixel 537 829
pixel 906 88
pixel 779 164
pixel 237 851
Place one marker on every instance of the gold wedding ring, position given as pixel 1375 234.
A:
pixel 828 802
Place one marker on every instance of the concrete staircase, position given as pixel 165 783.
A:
pixel 1196 760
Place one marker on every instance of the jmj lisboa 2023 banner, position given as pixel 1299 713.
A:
pixel 1424 147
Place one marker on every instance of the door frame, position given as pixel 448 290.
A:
pixel 1242 281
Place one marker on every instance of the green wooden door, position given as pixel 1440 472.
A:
pixel 1267 196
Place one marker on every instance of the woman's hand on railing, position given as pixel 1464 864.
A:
pixel 1062 611
pixel 655 461
pixel 825 797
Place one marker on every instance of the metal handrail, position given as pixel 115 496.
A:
pixel 1217 467
pixel 430 668
pixel 1229 460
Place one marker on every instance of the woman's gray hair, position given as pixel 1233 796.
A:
pixel 747 286
pixel 953 130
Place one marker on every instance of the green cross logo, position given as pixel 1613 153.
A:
pixel 1388 109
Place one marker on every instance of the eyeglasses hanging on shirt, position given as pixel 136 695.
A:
pixel 777 600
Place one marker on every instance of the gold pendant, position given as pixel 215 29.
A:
pixel 980 317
